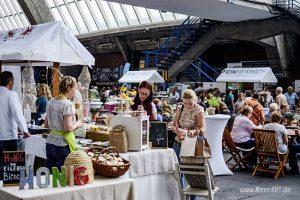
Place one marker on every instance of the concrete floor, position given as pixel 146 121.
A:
pixel 242 185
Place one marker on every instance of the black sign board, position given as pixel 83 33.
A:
pixel 12 161
pixel 159 134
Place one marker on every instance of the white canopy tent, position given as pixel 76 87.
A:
pixel 139 76
pixel 247 75
pixel 42 45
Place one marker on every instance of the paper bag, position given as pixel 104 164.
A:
pixel 202 148
pixel 188 147
pixel 118 139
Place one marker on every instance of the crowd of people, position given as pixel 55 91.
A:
pixel 184 110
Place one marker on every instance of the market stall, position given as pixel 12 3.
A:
pixel 247 75
pixel 247 78
pixel 51 44
pixel 151 76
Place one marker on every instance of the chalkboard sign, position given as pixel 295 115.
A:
pixel 159 134
pixel 12 162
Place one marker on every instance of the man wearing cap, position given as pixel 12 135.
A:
pixel 292 98
pixel 11 115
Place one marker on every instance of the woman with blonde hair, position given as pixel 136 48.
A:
pixel 61 121
pixel 189 119
pixel 44 95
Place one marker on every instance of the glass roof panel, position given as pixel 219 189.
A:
pixel 109 17
pixel 119 14
pixel 180 16
pixel 101 23
pixel 130 14
pixel 67 18
pixel 50 3
pixel 167 16
pixel 56 15
pixel 11 15
pixel 142 14
pixel 78 18
pixel 88 16
pixel 155 15
pixel 84 16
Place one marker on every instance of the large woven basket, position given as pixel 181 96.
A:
pixel 97 136
pixel 110 171
pixel 77 159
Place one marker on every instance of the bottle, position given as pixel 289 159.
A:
pixel 27 113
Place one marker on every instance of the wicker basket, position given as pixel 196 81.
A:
pixel 98 136
pixel 77 159
pixel 197 181
pixel 110 171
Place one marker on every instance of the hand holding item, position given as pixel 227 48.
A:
pixel 182 134
pixel 25 135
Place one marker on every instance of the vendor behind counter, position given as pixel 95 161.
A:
pixel 144 98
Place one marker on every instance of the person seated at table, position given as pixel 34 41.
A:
pixel 144 98
pixel 242 130
pixel 167 111
pixel 281 132
pixel 157 104
pixel 41 102
pixel 272 108
pixel 61 121
pixel 294 149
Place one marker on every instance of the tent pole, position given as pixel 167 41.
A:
pixel 55 81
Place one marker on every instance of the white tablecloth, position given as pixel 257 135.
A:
pixel 151 161
pixel 100 189
pixel 215 125
pixel 154 173
pixel 35 146
pixel 152 170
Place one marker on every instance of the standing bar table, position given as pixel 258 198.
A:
pixel 215 125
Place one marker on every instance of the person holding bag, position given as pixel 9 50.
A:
pixel 61 121
pixel 189 120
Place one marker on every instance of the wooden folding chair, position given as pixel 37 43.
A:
pixel 268 154
pixel 235 152
pixel 202 172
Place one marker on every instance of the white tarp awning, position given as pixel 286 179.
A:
pixel 139 76
pixel 248 75
pixel 43 44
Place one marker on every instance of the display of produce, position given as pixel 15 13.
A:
pixel 98 133
pixel 107 162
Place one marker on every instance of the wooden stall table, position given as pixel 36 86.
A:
pixel 100 189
